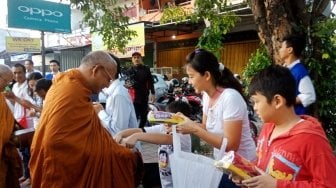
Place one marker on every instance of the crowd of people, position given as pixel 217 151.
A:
pixel 81 143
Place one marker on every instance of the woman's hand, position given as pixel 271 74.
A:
pixel 188 126
pixel 263 180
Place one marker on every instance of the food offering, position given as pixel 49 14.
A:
pixel 234 163
pixel 164 117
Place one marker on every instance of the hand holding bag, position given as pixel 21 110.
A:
pixel 23 121
pixel 192 170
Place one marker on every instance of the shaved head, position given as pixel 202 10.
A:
pixel 6 75
pixel 97 57
pixel 99 69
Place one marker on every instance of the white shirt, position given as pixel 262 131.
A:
pixel 119 113
pixel 34 70
pixel 37 101
pixel 21 91
pixel 307 94
pixel 163 154
pixel 229 106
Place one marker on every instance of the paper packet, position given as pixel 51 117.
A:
pixel 234 163
pixel 164 117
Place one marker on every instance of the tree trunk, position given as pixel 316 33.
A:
pixel 276 19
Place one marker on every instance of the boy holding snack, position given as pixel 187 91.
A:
pixel 158 134
pixel 292 151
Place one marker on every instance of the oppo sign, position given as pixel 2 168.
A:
pixel 41 12
pixel 39 15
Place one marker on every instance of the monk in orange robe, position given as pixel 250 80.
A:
pixel 8 152
pixel 70 147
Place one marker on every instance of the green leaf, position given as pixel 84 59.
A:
pixel 325 56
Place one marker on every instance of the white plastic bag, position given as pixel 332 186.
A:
pixel 192 170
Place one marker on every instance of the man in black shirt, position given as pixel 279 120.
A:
pixel 141 82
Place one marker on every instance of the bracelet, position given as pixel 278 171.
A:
pixel 143 129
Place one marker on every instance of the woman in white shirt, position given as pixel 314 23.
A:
pixel 225 115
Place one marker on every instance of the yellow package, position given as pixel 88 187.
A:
pixel 232 162
pixel 164 117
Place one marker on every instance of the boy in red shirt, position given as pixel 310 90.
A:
pixel 292 151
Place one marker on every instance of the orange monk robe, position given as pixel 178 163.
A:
pixel 71 148
pixel 6 129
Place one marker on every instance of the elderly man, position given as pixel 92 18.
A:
pixel 70 147
pixel 119 113
pixel 8 177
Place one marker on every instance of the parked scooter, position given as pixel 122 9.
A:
pixel 182 92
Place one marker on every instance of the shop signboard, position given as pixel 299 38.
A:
pixel 39 15
pixel 23 45
pixel 136 44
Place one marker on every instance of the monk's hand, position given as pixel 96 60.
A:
pixel 98 107
pixel 118 137
pixel 26 103
pixel 130 141
pixel 187 126
pixel 9 95
pixel 263 180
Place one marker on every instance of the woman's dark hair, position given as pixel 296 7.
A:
pixel 202 61
pixel 43 84
pixel 33 76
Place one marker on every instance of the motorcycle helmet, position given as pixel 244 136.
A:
pixel 185 80
pixel 175 82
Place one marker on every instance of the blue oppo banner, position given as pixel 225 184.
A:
pixel 39 15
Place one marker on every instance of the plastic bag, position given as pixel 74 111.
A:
pixel 23 121
pixel 131 92
pixel 192 170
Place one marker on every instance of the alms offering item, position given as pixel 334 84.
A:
pixel 236 164
pixel 164 117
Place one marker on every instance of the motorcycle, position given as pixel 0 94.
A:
pixel 181 92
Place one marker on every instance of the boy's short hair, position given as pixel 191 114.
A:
pixel 18 65
pixel 29 61
pixel 43 84
pixel 273 80
pixel 179 106
pixel 296 42
pixel 55 61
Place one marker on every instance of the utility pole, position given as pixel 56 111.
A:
pixel 43 54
